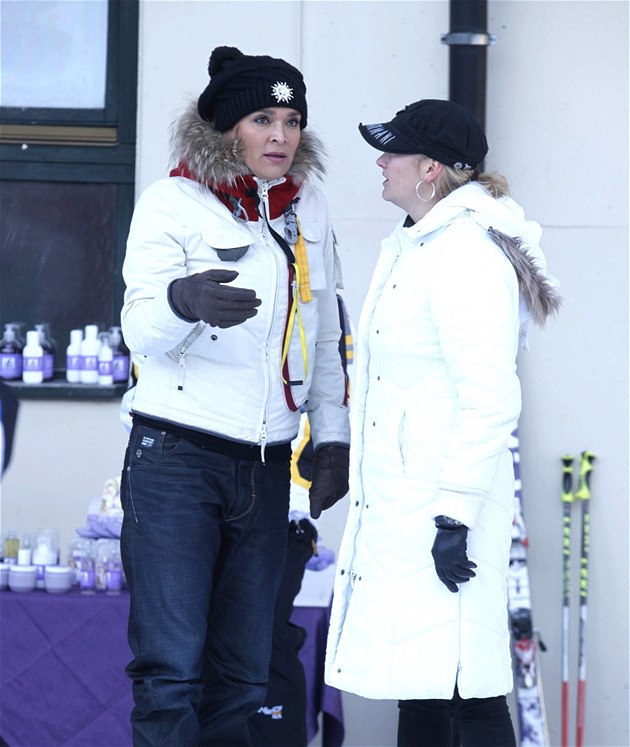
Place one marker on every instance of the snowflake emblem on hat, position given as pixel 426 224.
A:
pixel 281 92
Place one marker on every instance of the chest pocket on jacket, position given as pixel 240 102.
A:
pixel 314 243
pixel 229 242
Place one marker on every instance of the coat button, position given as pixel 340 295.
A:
pixel 342 572
pixel 356 503
pixel 213 337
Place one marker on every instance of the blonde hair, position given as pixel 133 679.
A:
pixel 451 178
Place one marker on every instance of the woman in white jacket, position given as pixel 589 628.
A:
pixel 231 280
pixel 420 600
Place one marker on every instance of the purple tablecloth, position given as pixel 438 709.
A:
pixel 62 678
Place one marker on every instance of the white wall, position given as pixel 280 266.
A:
pixel 557 124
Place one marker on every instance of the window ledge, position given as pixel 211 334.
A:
pixel 59 388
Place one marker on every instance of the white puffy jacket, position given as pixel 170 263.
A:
pixel 228 382
pixel 436 396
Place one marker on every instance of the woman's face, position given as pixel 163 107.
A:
pixel 402 173
pixel 269 140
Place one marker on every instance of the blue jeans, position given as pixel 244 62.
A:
pixel 203 543
pixel 472 722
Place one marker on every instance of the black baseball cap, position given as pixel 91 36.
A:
pixel 439 129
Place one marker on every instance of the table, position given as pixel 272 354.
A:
pixel 62 678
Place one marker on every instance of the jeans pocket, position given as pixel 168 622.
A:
pixel 150 446
pixel 147 451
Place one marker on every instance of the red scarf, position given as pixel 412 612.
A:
pixel 245 190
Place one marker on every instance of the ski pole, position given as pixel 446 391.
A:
pixel 584 494
pixel 567 501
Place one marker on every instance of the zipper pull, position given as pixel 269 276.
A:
pixel 263 441
pixel 180 369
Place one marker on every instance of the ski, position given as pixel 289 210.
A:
pixel 533 731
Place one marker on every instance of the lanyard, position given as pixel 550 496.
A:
pixel 299 263
pixel 295 311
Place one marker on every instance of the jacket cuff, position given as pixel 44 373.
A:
pixel 460 504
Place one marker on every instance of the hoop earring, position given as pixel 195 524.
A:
pixel 419 196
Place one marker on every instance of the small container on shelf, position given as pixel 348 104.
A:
pixel 11 547
pixel 10 355
pixel 22 577
pixel 45 552
pixel 73 357
pixel 4 576
pixel 105 361
pixel 90 347
pixel 49 346
pixel 58 578
pixel 32 359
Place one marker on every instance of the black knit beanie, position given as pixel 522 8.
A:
pixel 241 84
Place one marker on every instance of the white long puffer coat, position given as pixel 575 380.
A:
pixel 436 397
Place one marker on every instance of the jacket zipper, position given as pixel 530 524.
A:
pixel 264 200
pixel 181 364
pixel 401 439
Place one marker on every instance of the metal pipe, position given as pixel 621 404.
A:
pixel 468 40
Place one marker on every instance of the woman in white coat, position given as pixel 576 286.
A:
pixel 420 601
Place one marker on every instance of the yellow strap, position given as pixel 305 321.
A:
pixel 295 311
pixel 295 457
pixel 302 262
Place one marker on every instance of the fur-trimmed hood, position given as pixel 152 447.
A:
pixel 518 238
pixel 215 158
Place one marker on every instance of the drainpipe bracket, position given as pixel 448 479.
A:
pixel 468 39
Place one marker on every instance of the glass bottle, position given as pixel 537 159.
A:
pixel 11 547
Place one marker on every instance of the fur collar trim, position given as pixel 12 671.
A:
pixel 216 158
pixel 538 294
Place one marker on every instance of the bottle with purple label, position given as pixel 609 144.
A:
pixel 121 355
pixel 73 357
pixel 32 359
pixel 105 361
pixel 20 332
pixel 87 576
pixel 90 347
pixel 114 569
pixel 45 552
pixel 10 355
pixel 49 347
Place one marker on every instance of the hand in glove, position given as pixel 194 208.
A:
pixel 204 297
pixel 449 553
pixel 330 477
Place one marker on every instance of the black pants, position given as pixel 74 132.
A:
pixel 281 722
pixel 474 722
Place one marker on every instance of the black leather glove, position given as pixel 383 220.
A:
pixel 449 553
pixel 330 477
pixel 204 297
